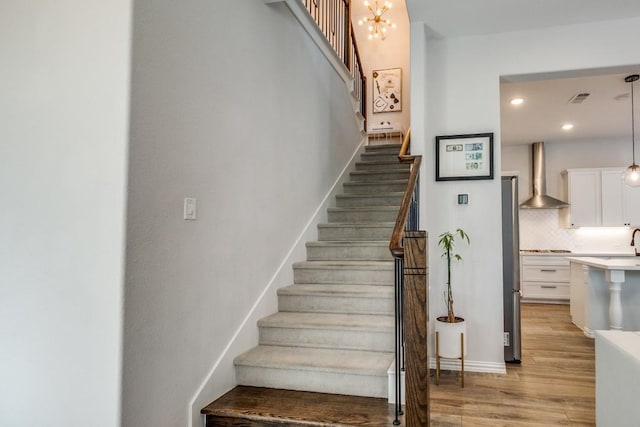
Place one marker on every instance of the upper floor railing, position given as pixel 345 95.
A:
pixel 333 18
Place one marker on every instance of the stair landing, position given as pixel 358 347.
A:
pixel 255 406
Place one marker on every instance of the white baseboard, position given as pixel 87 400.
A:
pixel 391 375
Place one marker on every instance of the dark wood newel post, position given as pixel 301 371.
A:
pixel 415 327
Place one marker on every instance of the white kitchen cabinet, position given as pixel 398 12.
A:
pixel 585 200
pixel 631 205
pixel 612 193
pixel 599 198
pixel 579 294
pixel 544 278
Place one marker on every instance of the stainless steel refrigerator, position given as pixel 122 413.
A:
pixel 511 269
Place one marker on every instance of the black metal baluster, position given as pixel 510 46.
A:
pixel 399 271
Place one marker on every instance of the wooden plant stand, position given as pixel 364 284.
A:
pixel 461 359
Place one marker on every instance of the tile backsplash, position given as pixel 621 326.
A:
pixel 541 229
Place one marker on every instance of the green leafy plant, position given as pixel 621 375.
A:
pixel 447 242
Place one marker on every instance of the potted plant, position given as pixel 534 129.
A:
pixel 450 329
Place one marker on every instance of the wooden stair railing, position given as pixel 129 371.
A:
pixel 409 249
pixel 359 79
pixel 409 199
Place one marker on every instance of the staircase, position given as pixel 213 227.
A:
pixel 334 331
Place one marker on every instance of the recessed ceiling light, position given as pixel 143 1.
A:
pixel 517 101
pixel 567 126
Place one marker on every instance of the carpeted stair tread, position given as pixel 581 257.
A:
pixel 364 209
pixel 380 224
pixel 344 291
pixel 337 298
pixel 352 362
pixel 393 198
pixel 362 322
pixel 342 243
pixel 347 265
pixel 381 164
pixel 363 214
pixel 394 148
pixel 376 183
pixel 349 249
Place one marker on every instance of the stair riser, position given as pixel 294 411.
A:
pixel 328 338
pixel 382 176
pixel 343 201
pixel 349 253
pixel 323 382
pixel 354 233
pixel 364 166
pixel 374 188
pixel 363 216
pixel 386 156
pixel 374 277
pixel 327 304
pixel 392 149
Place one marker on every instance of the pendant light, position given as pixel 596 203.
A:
pixel 631 176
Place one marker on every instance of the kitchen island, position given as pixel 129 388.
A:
pixel 605 293
pixel 617 377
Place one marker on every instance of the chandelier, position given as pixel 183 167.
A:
pixel 378 25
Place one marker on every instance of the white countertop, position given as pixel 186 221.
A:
pixel 628 341
pixel 580 254
pixel 609 264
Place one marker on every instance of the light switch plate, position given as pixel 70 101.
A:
pixel 190 208
pixel 463 199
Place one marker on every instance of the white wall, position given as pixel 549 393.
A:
pixel 462 78
pixel 392 52
pixel 233 104
pixel 63 144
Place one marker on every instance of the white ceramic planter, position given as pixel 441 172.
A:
pixel 449 338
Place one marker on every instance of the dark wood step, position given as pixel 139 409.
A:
pixel 255 406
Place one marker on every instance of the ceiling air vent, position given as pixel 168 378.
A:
pixel 579 98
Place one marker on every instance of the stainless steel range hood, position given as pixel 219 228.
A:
pixel 540 200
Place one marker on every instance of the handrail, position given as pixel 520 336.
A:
pixel 395 244
pixel 360 80
pixel 405 145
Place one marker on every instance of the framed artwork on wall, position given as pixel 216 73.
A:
pixel 387 90
pixel 461 157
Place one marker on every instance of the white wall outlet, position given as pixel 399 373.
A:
pixel 190 208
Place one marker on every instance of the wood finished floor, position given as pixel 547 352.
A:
pixel 554 385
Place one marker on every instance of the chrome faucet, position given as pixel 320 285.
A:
pixel 633 241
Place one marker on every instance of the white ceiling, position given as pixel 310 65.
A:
pixel 603 115
pixel 454 18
